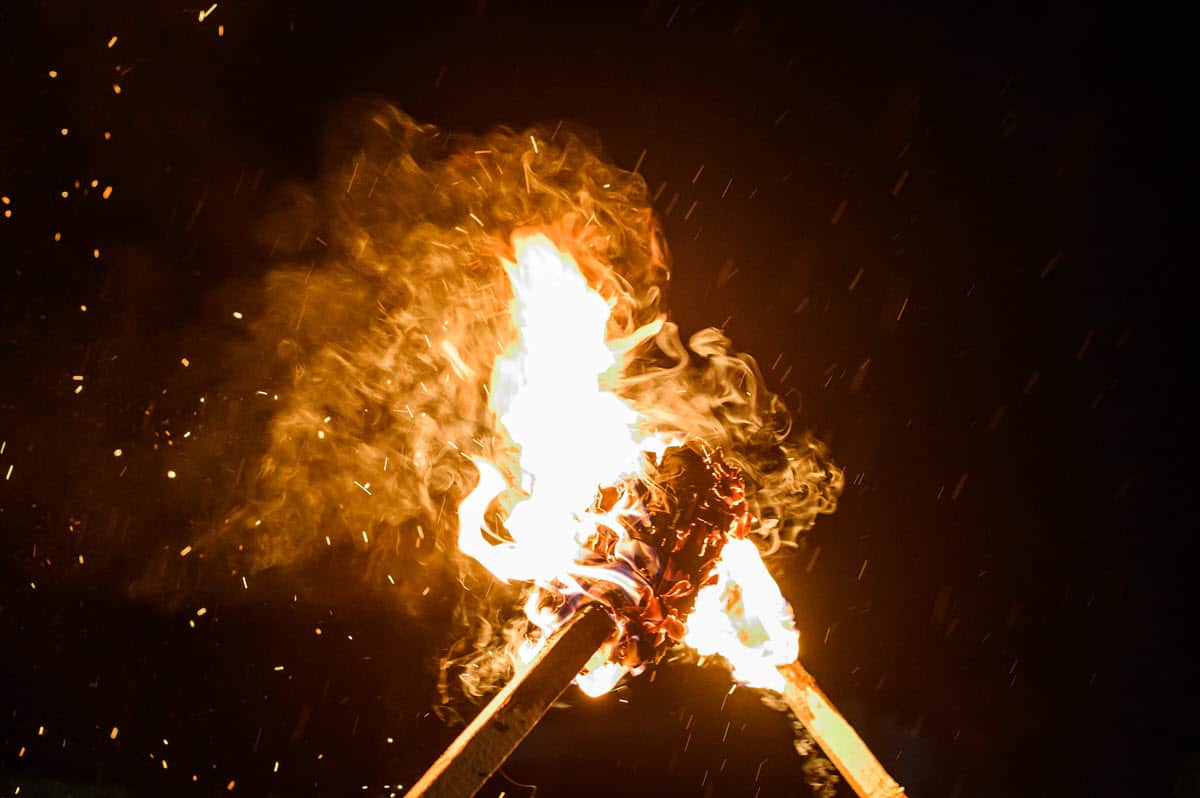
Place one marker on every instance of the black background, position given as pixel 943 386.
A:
pixel 1000 603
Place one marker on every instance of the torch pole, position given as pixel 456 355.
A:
pixel 496 732
pixel 837 738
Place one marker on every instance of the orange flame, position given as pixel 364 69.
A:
pixel 385 316
pixel 572 437
pixel 745 619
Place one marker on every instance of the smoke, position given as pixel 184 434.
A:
pixel 384 317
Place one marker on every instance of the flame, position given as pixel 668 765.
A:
pixel 745 619
pixel 412 376
pixel 573 436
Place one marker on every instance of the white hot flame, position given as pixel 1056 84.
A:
pixel 573 436
pixel 744 618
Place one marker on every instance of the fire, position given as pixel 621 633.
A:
pixel 571 437
pixel 484 332
pixel 745 619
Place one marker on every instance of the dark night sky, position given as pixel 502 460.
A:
pixel 985 333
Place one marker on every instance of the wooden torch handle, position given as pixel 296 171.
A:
pixel 837 738
pixel 496 732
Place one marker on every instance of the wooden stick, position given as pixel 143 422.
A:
pixel 479 751
pixel 496 732
pixel 837 738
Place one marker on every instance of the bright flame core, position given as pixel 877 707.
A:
pixel 744 618
pixel 569 436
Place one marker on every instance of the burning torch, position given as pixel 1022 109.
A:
pixel 643 545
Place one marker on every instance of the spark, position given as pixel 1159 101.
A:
pixel 1050 266
pixel 171 473
pixel 958 487
pixel 53 73
pixel 117 452
pixel 1031 383
pixel 1083 348
pixel 237 314
pixel 185 551
pixel 535 146
pixel 837 214
pixel 112 42
pixel 854 283
pixel 205 14
pixel 107 189
pixel 116 88
pixel 112 735
pixel 365 488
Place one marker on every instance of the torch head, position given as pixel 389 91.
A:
pixel 666 532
